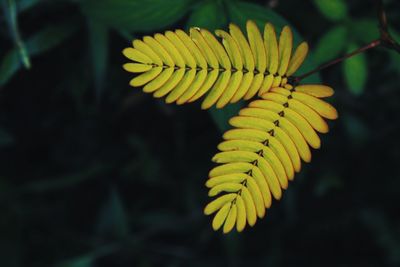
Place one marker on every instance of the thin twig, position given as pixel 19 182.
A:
pixel 372 44
pixel 385 36
pixel 385 40
pixel 381 16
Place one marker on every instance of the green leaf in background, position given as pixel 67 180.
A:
pixel 356 129
pixel 9 66
pixel 240 12
pixel 24 5
pixel 50 37
pixel 112 220
pixel 331 44
pixel 10 11
pixel 364 30
pixel 333 10
pixel 209 15
pixel 98 46
pixel 36 44
pixel 355 71
pixel 136 15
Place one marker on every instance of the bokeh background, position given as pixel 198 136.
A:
pixel 94 173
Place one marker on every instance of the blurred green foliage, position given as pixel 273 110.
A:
pixel 334 10
pixel 355 71
pixel 95 173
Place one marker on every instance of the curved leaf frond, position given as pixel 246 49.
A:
pixel 184 68
pixel 259 157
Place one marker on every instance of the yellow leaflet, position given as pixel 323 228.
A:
pixel 235 156
pixel 136 55
pixel 297 59
pixel 182 86
pixel 230 90
pixel 217 90
pixel 175 78
pixel 271 46
pixel 181 47
pixel 249 205
pixel 257 197
pixel 193 49
pixel 225 187
pixel 136 67
pixel 171 49
pixel 232 178
pixel 263 186
pixel 290 147
pixel 316 90
pixel 217 48
pixel 209 81
pixel 144 78
pixel 159 81
pixel 143 48
pixel 230 219
pixel 220 216
pixel 241 214
pixel 321 107
pixel 232 49
pixel 285 49
pixel 217 203
pixel 244 47
pixel 255 86
pixel 270 177
pixel 316 121
pixel 297 137
pixel 238 167
pixel 257 46
pixel 277 81
pixel 267 84
pixel 193 88
pixel 159 50
pixel 304 127
pixel 198 39
pixel 243 87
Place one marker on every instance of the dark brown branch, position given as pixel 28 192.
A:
pixel 372 44
pixel 385 40
pixel 383 25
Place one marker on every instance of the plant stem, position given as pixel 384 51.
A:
pixel 385 40
pixel 372 44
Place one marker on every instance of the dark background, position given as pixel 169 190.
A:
pixel 96 173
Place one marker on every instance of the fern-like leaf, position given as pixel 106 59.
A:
pixel 183 68
pixel 271 136
pixel 264 150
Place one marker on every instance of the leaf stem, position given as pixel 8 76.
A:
pixel 385 40
pixel 372 44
